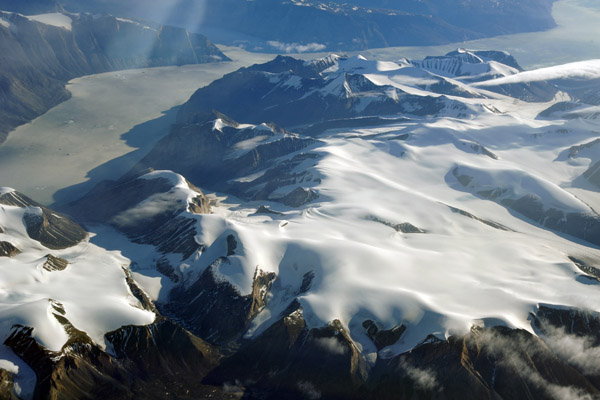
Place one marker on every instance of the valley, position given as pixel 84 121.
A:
pixel 72 141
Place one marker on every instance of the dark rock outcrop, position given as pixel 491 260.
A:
pixel 158 361
pixel 585 267
pixel 7 386
pixel 383 337
pixel 493 224
pixel 109 198
pixel 289 96
pixel 53 230
pixel 266 210
pixel 497 362
pixel 572 321
pixel 213 308
pixel 290 360
pixel 165 226
pixel 53 263
pixel 404 227
pixel 299 196
pixel 216 153
pixel 582 225
pixel 7 249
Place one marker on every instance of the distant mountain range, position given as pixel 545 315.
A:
pixel 336 25
pixel 41 53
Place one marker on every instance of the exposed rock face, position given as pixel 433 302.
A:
pixel 458 63
pixel 290 359
pixel 290 95
pixel 162 347
pixel 214 309
pixel 162 223
pixel 383 337
pixel 404 227
pixel 216 154
pixel 208 156
pixel 585 226
pixel 39 59
pixel 283 173
pixel 53 230
pixel 483 221
pixel 7 386
pixel 355 24
pixel 586 268
pixel 199 205
pixel 53 263
pixel 100 205
pixel 492 363
pixel 158 361
pixel 299 197
pixel 7 249
pixel 577 322
pixel 266 210
pixel 175 235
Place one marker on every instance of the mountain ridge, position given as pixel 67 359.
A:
pixel 41 57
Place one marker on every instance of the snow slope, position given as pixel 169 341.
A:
pixel 91 292
pixel 399 232
pixel 581 70
pixel 469 261
pixel 53 19
pixel 466 261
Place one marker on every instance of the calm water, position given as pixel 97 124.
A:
pixel 576 38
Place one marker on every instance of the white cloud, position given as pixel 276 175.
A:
pixel 309 390
pixel 576 350
pixel 296 47
pixel 144 211
pixel 332 345
pixel 424 379
pixel 511 352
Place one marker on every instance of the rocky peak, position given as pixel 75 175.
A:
pixel 52 229
pixel 7 249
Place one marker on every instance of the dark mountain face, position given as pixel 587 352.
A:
pixel 340 25
pixel 31 7
pixel 53 230
pixel 486 16
pixel 38 59
pixel 294 93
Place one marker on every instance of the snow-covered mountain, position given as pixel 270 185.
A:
pixel 390 248
pixel 297 94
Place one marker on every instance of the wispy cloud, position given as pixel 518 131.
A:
pixel 146 210
pixel 296 47
pixel 510 353
pixel 424 379
pixel 309 390
pixel 332 345
pixel 576 350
